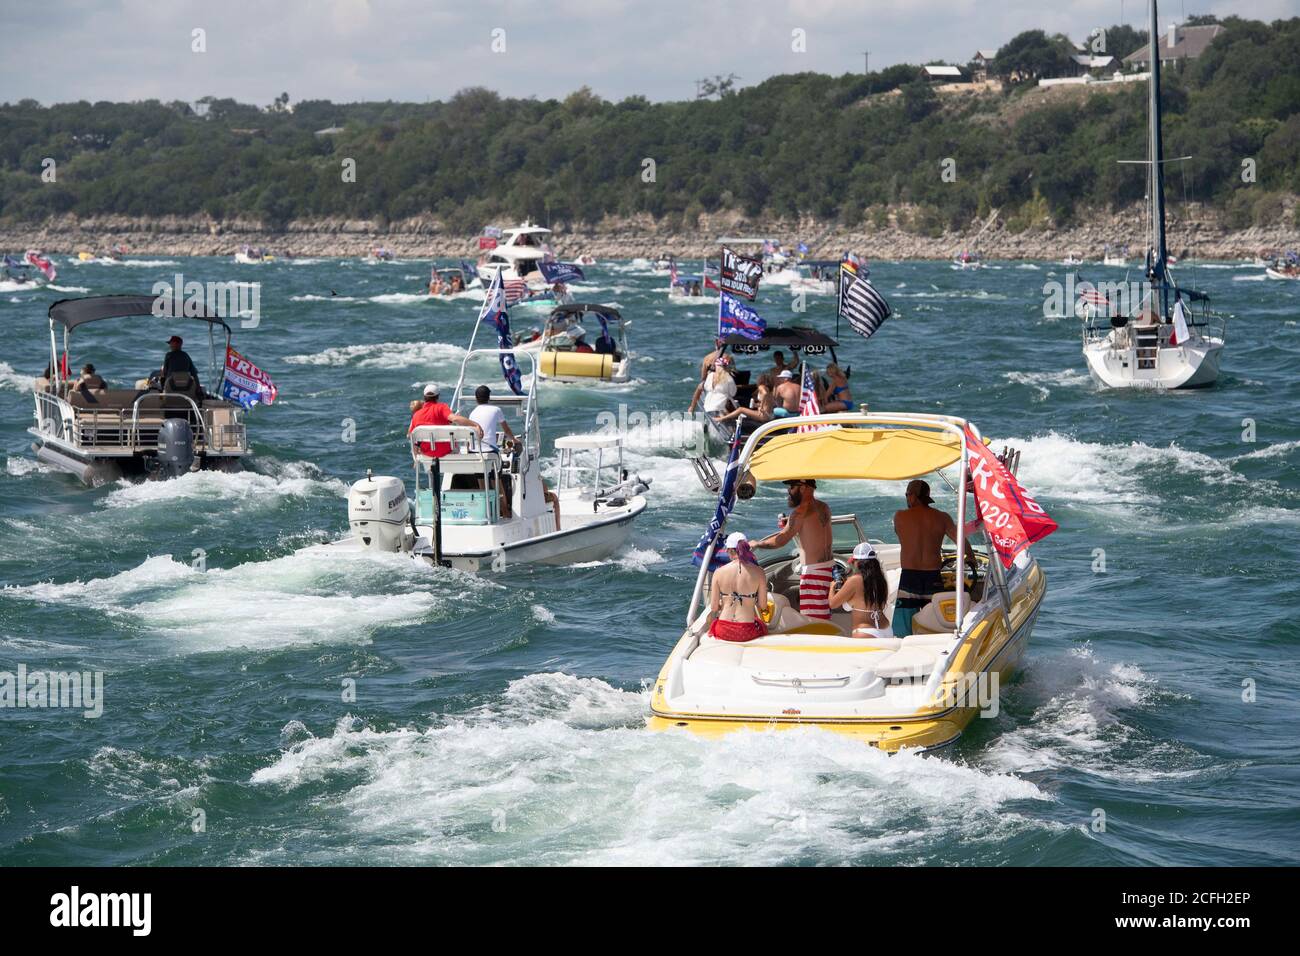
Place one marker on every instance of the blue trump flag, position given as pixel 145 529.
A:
pixel 565 272
pixel 468 271
pixel 736 318
pixel 726 501
pixel 494 308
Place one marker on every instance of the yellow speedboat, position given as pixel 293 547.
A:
pixel 919 691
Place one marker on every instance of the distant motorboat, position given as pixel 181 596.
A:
pixel 253 256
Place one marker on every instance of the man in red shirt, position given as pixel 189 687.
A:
pixel 434 412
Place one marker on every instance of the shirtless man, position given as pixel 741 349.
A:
pixel 787 395
pixel 921 530
pixel 810 523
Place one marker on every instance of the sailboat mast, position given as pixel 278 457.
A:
pixel 1159 268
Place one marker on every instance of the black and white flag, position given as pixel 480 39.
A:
pixel 860 303
pixel 739 274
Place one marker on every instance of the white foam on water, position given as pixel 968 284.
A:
pixel 21 467
pixel 1263 276
pixel 13 379
pixel 634 559
pixel 294 480
pixel 311 297
pixel 310 597
pixel 1079 723
pixel 147 263
pixel 68 288
pixel 559 769
pixel 384 355
pixel 1281 449
pixel 400 298
pixel 542 615
pixel 1055 466
pixel 1042 382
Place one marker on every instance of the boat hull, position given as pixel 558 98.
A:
pixel 998 652
pixel 590 541
pixel 1196 367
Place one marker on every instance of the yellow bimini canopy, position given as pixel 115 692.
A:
pixel 873 452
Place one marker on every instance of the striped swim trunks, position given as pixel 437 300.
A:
pixel 815 590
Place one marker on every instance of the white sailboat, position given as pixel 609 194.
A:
pixel 1171 340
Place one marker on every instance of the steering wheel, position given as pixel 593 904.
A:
pixel 949 563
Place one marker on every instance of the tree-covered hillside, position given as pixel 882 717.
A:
pixel 839 148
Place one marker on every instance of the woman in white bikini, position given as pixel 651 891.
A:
pixel 864 594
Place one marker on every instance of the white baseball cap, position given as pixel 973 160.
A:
pixel 863 552
pixel 785 373
pixel 734 539
pixel 431 389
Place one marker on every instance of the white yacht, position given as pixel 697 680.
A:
pixel 1172 339
pixel 517 255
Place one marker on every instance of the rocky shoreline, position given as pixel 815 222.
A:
pixel 1198 233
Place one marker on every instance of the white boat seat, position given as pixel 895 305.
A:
pixel 939 615
pixel 909 661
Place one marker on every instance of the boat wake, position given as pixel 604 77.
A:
pixel 558 769
pixel 302 598
pixel 387 355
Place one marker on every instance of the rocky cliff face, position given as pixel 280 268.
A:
pixel 1195 231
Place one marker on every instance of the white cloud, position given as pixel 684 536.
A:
pixel 347 50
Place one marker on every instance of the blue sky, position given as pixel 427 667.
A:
pixel 347 50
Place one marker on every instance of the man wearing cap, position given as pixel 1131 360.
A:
pixel 787 395
pixel 178 360
pixel 921 530
pixel 810 522
pixel 434 412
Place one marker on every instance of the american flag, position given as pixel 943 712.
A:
pixel 1092 296
pixel 515 290
pixel 808 401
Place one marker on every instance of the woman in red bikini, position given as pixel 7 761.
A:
pixel 738 594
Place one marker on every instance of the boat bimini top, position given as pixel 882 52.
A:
pixel 74 313
pixel 877 446
pixel 796 338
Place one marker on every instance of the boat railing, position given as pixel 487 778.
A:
pixel 119 430
pixel 1204 324
pixel 462 440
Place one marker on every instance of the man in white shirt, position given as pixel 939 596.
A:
pixel 490 418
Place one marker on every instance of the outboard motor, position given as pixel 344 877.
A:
pixel 175 448
pixel 379 514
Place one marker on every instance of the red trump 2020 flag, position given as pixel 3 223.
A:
pixel 1012 519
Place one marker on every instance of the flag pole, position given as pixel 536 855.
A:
pixel 839 299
